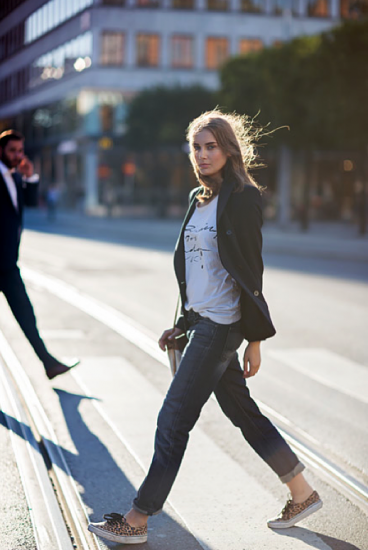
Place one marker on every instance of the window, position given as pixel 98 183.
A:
pixel 113 2
pixel 14 85
pixel 295 7
pixel 7 6
pixel 12 41
pixel 43 19
pixel 182 51
pixel 72 57
pixel 182 4
pixel 353 9
pixel 69 8
pixel 252 6
pixel 112 48
pixel 2 48
pixel 148 50
pixel 62 6
pixel 57 13
pixel 106 117
pixel 278 7
pixel 50 15
pixel 217 52
pixel 247 45
pixel 217 5
pixel 147 3
pixel 317 8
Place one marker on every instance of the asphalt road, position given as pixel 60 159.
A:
pixel 314 374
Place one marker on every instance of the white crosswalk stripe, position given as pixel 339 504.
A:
pixel 327 368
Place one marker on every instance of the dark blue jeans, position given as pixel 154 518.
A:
pixel 209 364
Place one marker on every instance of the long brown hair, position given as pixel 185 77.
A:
pixel 235 135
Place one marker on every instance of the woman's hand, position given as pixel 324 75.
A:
pixel 252 359
pixel 168 335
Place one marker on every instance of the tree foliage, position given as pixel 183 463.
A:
pixel 159 116
pixel 318 86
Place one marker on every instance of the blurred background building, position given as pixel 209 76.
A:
pixel 68 69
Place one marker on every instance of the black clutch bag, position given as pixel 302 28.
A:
pixel 176 347
pixel 174 351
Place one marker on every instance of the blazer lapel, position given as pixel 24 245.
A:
pixel 179 257
pixel 8 191
pixel 19 185
pixel 189 213
pixel 224 195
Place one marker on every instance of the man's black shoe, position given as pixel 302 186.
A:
pixel 60 368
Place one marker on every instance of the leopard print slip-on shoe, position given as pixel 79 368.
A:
pixel 117 529
pixel 292 513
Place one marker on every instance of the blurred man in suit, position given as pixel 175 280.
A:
pixel 18 187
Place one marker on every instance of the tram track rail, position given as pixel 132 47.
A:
pixel 57 512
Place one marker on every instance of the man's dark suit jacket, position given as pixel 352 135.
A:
pixel 239 238
pixel 11 219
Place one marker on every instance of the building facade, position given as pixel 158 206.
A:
pixel 68 69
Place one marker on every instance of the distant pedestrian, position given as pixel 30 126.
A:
pixel 18 187
pixel 219 268
pixel 52 199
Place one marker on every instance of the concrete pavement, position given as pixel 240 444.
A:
pixel 323 239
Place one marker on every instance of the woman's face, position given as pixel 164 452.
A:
pixel 209 158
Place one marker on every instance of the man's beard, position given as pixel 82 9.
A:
pixel 5 160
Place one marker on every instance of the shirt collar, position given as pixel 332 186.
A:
pixel 3 168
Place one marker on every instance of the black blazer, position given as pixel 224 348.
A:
pixel 11 219
pixel 239 238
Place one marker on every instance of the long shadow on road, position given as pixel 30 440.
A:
pixel 105 487
pixel 102 484
pixel 315 542
pixel 329 267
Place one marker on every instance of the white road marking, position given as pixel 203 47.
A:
pixel 327 368
pixel 117 321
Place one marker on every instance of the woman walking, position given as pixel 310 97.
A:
pixel 219 268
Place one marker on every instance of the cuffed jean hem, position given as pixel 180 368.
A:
pixel 137 509
pixel 294 472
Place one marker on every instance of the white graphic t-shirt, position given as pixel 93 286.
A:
pixel 211 291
